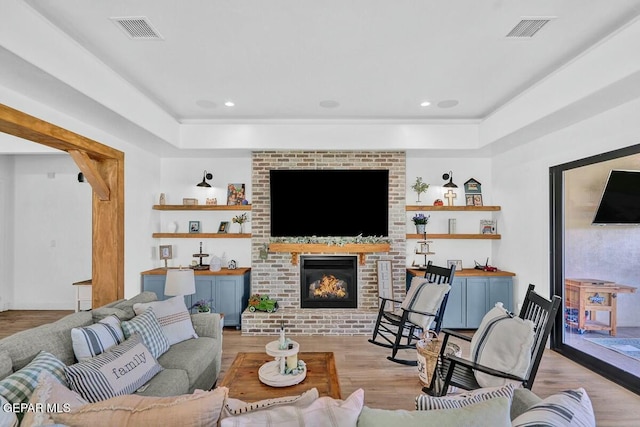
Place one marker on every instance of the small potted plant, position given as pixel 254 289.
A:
pixel 203 306
pixel 240 219
pixel 420 187
pixel 420 220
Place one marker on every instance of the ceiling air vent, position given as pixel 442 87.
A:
pixel 528 27
pixel 137 27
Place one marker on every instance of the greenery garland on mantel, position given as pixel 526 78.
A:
pixel 332 241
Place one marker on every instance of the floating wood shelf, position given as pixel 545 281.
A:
pixel 202 235
pixel 451 208
pixel 455 236
pixel 202 207
pixel 319 248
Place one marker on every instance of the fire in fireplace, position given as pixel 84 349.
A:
pixel 328 282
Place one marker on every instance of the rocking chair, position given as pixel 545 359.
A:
pixel 458 372
pixel 421 310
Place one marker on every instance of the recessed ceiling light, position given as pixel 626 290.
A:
pixel 229 103
pixel 449 103
pixel 425 103
pixel 205 103
pixel 329 103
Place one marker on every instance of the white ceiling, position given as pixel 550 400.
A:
pixel 290 59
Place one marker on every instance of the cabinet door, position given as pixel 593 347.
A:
pixel 455 315
pixel 500 290
pixel 228 299
pixel 154 284
pixel 476 300
pixel 205 290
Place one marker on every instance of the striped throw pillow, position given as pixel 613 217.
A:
pixel 120 370
pixel 90 341
pixel 146 324
pixel 173 316
pixel 19 386
pixel 426 403
pixel 567 408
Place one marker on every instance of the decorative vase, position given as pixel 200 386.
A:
pixel 420 228
pixel 172 227
pixel 241 228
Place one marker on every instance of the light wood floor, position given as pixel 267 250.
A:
pixel 389 385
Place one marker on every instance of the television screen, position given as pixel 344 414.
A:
pixel 620 202
pixel 329 202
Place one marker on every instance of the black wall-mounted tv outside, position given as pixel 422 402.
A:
pixel 620 201
pixel 329 202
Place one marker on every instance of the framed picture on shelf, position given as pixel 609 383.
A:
pixel 457 263
pixel 224 227
pixel 488 226
pixel 468 199
pixel 189 201
pixel 477 200
pixel 194 226
pixel 166 251
pixel 235 194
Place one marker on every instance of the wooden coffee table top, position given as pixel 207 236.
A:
pixel 244 384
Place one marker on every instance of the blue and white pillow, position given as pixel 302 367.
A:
pixel 90 341
pixel 19 386
pixel 424 402
pixel 567 408
pixel 120 370
pixel 146 324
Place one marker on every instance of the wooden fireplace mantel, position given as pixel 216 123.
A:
pixel 319 248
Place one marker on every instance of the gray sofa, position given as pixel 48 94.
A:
pixel 188 365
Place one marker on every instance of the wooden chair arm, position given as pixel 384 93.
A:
pixel 456 334
pixel 469 364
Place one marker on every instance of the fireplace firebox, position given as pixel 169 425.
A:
pixel 328 282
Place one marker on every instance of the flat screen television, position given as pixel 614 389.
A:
pixel 329 202
pixel 620 201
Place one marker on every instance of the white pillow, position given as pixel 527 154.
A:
pixel 173 316
pixel 7 418
pixel 120 370
pixel 234 407
pixel 504 343
pixel 90 341
pixel 567 408
pixel 424 296
pixel 325 411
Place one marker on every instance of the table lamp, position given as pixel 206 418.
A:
pixel 180 281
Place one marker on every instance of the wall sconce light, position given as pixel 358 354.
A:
pixel 81 177
pixel 204 182
pixel 449 176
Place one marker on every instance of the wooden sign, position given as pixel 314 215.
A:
pixel 385 283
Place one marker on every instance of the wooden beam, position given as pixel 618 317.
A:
pixel 108 212
pixel 91 173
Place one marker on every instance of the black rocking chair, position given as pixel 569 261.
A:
pixel 458 372
pixel 423 305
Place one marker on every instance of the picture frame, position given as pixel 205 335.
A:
pixel 457 263
pixel 189 201
pixel 469 199
pixel 223 227
pixel 194 226
pixel 165 251
pixel 488 226
pixel 236 194
pixel 477 199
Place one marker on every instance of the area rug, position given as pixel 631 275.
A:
pixel 628 346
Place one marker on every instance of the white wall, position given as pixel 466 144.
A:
pixel 6 232
pixel 178 180
pixel 52 232
pixel 431 170
pixel 521 178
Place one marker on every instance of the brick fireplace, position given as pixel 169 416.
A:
pixel 280 277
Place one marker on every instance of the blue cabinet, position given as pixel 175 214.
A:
pixel 471 297
pixel 229 292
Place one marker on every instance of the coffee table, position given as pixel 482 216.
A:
pixel 244 384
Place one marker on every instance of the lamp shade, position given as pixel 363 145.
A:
pixel 180 282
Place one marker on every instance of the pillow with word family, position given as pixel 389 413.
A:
pixel 90 341
pixel 146 324
pixel 120 370
pixel 424 296
pixel 173 316
pixel 567 408
pixel 502 342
